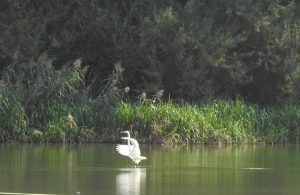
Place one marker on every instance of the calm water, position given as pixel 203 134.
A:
pixel 98 169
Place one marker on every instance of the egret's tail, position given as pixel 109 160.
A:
pixel 143 158
pixel 138 159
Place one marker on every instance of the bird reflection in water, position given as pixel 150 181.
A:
pixel 131 181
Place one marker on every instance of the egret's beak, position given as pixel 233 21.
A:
pixel 124 138
pixel 124 132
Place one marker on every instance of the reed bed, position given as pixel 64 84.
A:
pixel 215 121
pixel 41 104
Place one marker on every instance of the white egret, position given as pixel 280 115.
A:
pixel 132 149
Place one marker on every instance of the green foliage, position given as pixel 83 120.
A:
pixel 13 118
pixel 36 102
pixel 195 49
pixel 215 121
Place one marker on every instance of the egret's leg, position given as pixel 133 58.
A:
pixel 134 165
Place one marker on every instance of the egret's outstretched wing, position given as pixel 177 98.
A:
pixel 124 149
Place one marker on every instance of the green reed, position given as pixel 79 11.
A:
pixel 216 121
pixel 35 100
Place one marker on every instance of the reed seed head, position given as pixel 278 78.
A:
pixel 143 96
pixel 159 93
pixel 77 63
pixel 126 89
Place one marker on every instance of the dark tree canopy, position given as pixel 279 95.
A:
pixel 194 49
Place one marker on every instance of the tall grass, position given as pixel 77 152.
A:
pixel 216 121
pixel 37 103
pixel 35 100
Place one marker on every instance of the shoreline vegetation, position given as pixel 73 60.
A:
pixel 40 104
pixel 212 122
pixel 229 71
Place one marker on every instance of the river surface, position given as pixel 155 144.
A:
pixel 98 169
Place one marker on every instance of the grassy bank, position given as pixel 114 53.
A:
pixel 216 121
pixel 40 104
